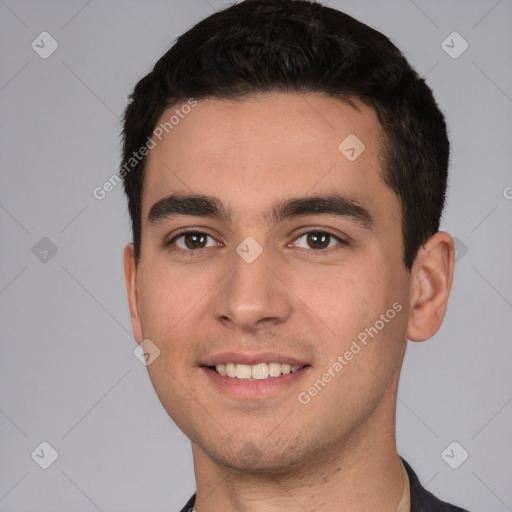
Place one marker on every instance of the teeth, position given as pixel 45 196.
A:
pixel 274 369
pixel 259 371
pixel 256 371
pixel 243 371
pixel 231 370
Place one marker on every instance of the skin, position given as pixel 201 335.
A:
pixel 339 450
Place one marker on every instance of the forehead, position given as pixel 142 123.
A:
pixel 250 152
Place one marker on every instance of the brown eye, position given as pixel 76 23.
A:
pixel 192 240
pixel 317 240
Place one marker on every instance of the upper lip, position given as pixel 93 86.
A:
pixel 246 358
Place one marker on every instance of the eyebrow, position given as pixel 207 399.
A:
pixel 207 206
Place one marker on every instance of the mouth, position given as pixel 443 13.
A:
pixel 259 371
pixel 251 376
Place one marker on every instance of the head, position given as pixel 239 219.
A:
pixel 308 163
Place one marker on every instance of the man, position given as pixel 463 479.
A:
pixel 286 172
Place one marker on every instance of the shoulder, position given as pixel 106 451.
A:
pixel 424 501
pixel 189 507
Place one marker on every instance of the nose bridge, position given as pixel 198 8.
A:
pixel 251 294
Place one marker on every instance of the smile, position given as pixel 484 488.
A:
pixel 258 371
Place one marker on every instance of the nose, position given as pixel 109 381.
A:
pixel 252 296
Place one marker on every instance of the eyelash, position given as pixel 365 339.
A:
pixel 194 252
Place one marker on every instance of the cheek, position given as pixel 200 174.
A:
pixel 357 309
pixel 343 300
pixel 167 302
pixel 172 307
pixel 166 296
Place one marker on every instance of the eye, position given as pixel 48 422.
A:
pixel 192 240
pixel 318 240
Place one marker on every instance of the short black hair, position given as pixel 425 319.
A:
pixel 302 46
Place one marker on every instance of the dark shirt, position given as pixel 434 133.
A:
pixel 421 499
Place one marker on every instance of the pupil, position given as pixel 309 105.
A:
pixel 193 239
pixel 318 240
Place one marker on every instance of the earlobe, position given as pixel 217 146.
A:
pixel 130 275
pixel 430 287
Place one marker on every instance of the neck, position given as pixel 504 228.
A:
pixel 363 473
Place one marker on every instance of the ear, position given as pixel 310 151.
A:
pixel 130 275
pixel 432 276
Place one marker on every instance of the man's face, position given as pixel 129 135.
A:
pixel 298 287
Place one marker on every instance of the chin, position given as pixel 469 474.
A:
pixel 255 457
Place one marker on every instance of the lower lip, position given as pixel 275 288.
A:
pixel 257 388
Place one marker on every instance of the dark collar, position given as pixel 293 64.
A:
pixel 424 501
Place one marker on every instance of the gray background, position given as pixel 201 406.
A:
pixel 68 373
